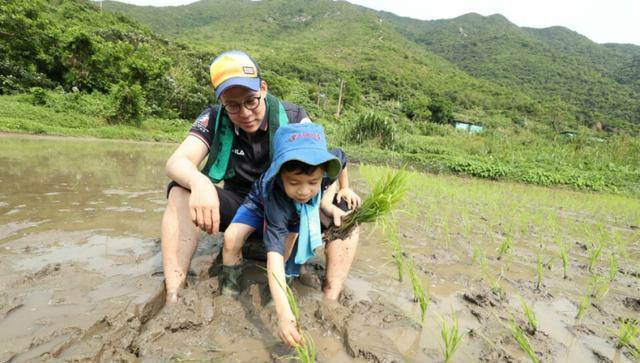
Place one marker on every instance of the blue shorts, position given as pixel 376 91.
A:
pixel 254 217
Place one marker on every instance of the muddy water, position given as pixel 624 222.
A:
pixel 78 236
pixel 79 281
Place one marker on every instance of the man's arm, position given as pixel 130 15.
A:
pixel 182 167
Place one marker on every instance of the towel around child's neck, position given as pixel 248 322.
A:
pixel 309 235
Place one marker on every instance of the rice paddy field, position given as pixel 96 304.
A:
pixel 462 270
pixel 526 273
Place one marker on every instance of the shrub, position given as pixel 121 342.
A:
pixel 38 96
pixel 374 126
pixel 127 103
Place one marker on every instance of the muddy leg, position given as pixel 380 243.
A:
pixel 339 255
pixel 231 277
pixel 179 241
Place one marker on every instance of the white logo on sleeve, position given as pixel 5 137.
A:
pixel 238 152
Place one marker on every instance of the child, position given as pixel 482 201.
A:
pixel 288 200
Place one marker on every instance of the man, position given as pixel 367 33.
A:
pixel 236 136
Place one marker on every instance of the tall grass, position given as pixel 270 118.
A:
pixel 451 338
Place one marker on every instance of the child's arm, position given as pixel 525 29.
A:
pixel 345 192
pixel 287 326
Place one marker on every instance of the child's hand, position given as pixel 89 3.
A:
pixel 338 214
pixel 350 197
pixel 288 331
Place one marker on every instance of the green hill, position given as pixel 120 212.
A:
pixel 553 75
pixel 553 63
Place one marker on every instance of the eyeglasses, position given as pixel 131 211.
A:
pixel 250 104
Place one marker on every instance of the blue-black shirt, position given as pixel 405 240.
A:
pixel 279 210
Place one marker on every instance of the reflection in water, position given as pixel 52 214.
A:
pixel 81 184
pixel 79 225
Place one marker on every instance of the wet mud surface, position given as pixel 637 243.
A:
pixel 80 275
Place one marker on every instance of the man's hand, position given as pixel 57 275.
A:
pixel 204 205
pixel 352 199
pixel 288 331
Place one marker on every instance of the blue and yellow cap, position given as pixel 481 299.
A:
pixel 234 68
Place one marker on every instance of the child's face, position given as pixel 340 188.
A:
pixel 301 187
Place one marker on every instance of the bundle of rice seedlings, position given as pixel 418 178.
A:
pixel 386 193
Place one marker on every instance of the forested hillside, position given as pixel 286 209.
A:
pixel 75 46
pixel 553 75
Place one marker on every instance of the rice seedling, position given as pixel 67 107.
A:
pixel 476 255
pixel 451 337
pixel 582 308
pixel 563 252
pixel 523 342
pixel 599 286
pixel 386 193
pixel 391 230
pixel 307 351
pixel 628 334
pixel 505 247
pixel 419 293
pixel 594 253
pixel 621 245
pixel 539 269
pixel 496 287
pixel 613 266
pixel 530 314
pixel 446 232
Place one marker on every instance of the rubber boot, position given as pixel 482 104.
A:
pixel 230 280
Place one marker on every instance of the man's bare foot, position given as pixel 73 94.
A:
pixel 172 297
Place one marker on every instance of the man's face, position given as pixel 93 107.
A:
pixel 248 120
pixel 300 186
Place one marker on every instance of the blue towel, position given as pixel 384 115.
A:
pixel 309 236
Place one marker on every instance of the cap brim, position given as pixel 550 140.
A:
pixel 252 83
pixel 311 157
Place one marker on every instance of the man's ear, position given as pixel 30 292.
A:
pixel 263 86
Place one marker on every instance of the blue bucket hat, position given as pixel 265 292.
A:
pixel 304 142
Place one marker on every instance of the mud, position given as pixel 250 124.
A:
pixel 80 276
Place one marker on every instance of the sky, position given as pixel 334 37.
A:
pixel 603 21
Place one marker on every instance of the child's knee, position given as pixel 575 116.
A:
pixel 232 238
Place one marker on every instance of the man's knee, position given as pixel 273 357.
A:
pixel 178 198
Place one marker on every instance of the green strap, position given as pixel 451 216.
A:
pixel 217 166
